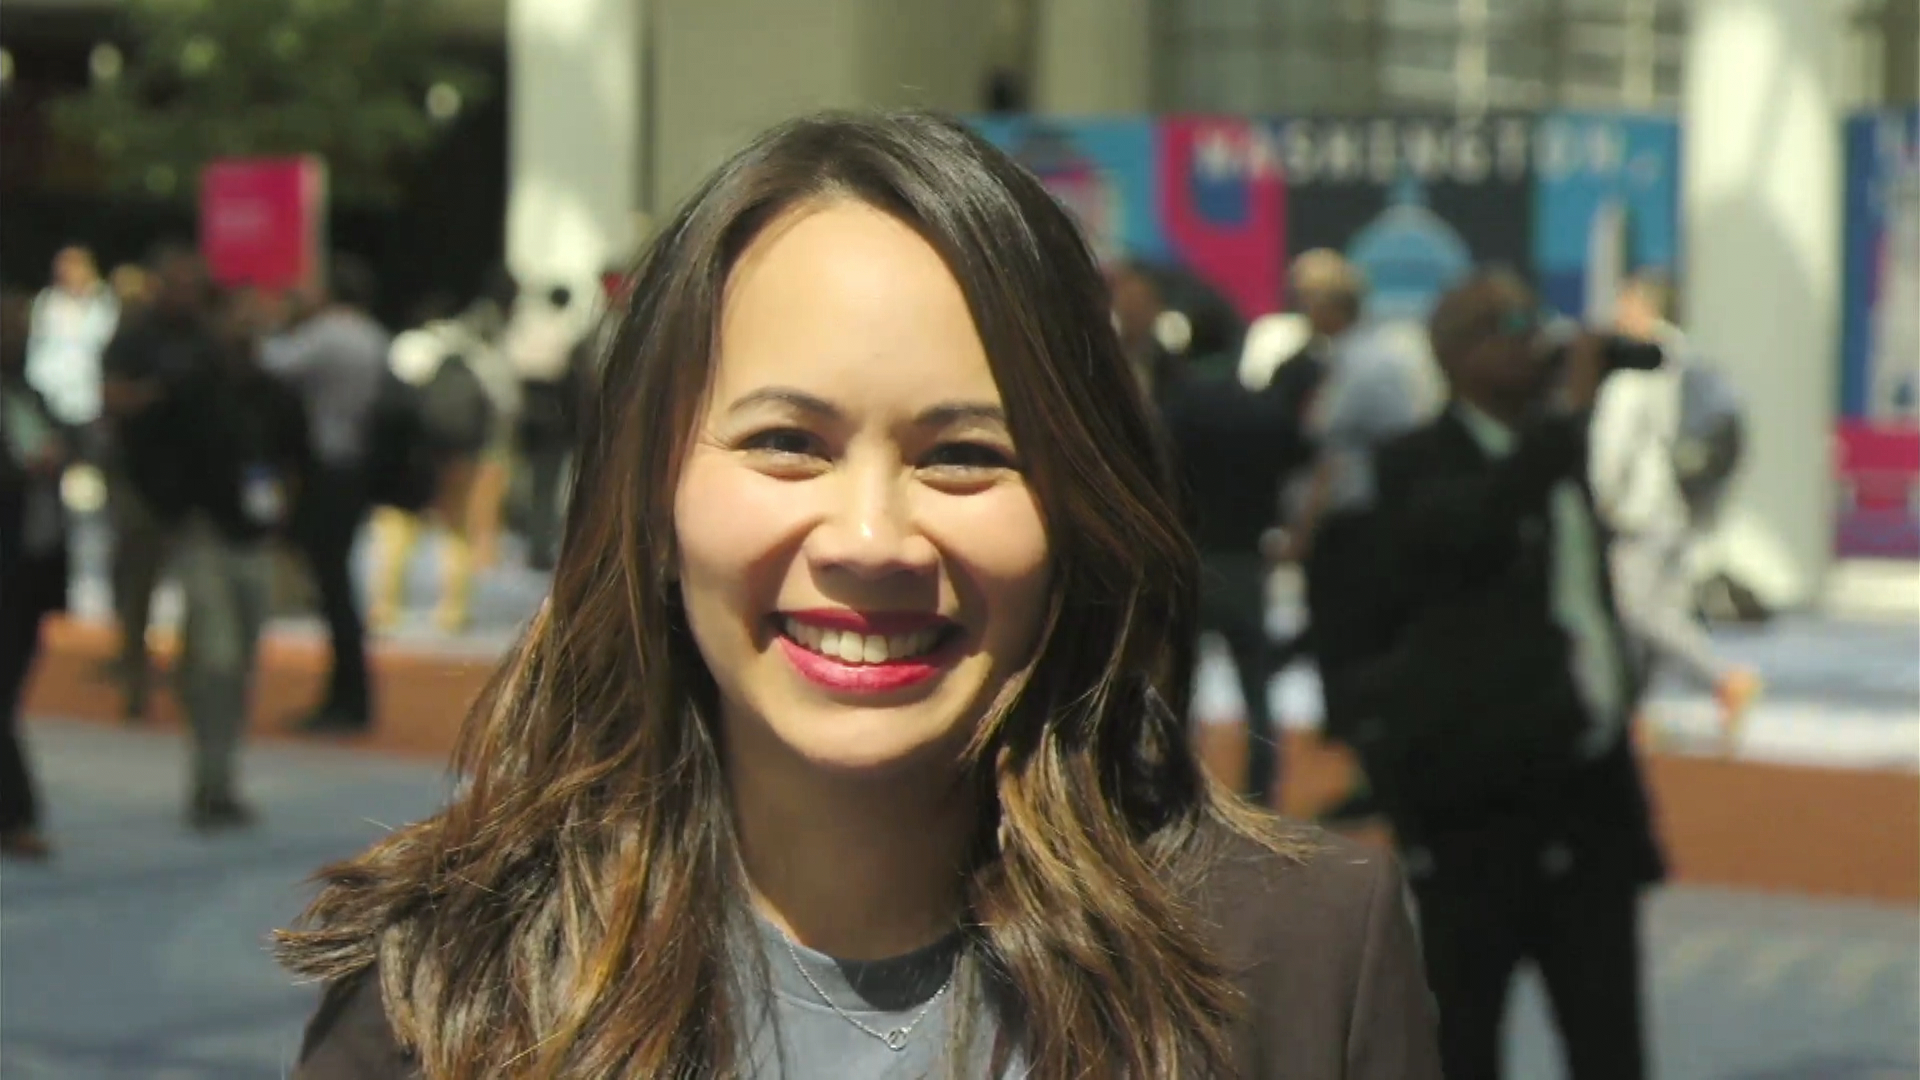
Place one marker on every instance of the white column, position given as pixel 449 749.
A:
pixel 1762 272
pixel 575 131
pixel 725 70
pixel 1093 57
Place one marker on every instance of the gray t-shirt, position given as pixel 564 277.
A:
pixel 337 360
pixel 803 1037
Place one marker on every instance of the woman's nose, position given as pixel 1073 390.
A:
pixel 869 528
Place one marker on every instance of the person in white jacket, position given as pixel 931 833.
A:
pixel 73 319
pixel 1636 422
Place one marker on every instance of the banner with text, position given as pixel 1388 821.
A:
pixel 1606 203
pixel 1416 201
pixel 263 221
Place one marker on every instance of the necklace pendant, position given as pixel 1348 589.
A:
pixel 897 1039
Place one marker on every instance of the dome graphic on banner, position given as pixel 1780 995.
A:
pixel 1409 254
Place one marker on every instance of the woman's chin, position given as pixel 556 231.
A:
pixel 874 743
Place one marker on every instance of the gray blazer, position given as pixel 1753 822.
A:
pixel 1323 949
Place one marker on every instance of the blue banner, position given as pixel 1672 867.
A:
pixel 1880 321
pixel 1606 203
pixel 1104 171
pixel 1878 428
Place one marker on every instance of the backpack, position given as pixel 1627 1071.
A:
pixel 1711 440
pixel 455 410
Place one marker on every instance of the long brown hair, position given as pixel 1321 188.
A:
pixel 567 914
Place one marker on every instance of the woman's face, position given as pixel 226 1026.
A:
pixel 862 563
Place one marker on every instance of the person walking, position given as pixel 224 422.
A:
pixel 34 450
pixel 1374 390
pixel 1637 442
pixel 73 319
pixel 1230 444
pixel 440 358
pixel 336 359
pixel 242 441
pixel 156 351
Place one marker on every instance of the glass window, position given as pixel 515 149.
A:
pixel 1298 56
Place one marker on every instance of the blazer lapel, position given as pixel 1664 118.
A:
pixel 1462 450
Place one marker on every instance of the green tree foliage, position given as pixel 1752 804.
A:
pixel 347 80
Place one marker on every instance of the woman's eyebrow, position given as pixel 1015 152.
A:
pixel 944 414
pixel 799 400
pixel 949 413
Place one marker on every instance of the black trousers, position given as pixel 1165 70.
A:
pixel 1583 934
pixel 19 646
pixel 1348 598
pixel 1233 604
pixel 140 552
pixel 332 507
pixel 546 468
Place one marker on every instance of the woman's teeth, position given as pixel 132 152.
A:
pixel 855 648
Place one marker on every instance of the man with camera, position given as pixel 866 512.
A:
pixel 1496 733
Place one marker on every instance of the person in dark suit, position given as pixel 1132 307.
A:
pixel 1498 742
pixel 34 449
pixel 157 348
pixel 1233 446
pixel 1375 388
pixel 239 443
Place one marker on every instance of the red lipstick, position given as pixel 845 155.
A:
pixel 809 640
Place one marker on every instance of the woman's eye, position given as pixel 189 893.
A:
pixel 963 455
pixel 783 442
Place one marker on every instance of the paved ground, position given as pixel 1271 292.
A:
pixel 139 955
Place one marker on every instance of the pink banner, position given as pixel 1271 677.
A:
pixel 1879 491
pixel 262 221
pixel 1223 206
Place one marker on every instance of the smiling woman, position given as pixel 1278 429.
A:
pixel 853 488
pixel 841 747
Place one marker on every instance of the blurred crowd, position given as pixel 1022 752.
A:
pixel 221 420
pixel 1494 516
pixel 221 424
pixel 1279 454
